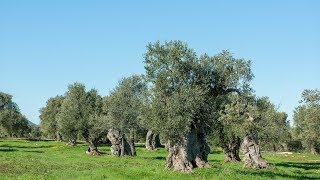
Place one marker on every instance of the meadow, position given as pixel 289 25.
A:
pixel 25 159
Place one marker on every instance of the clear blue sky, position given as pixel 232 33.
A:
pixel 46 45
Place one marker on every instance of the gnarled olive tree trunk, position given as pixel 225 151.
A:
pixel 190 152
pixel 93 149
pixel 92 142
pixel 231 150
pixel 252 156
pixel 152 140
pixel 131 143
pixel 119 145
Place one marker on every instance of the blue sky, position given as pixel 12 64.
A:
pixel 46 45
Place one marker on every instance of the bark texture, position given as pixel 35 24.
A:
pixel 93 149
pixel 131 143
pixel 231 151
pixel 92 142
pixel 192 151
pixel 119 145
pixel 252 156
pixel 72 142
pixel 152 140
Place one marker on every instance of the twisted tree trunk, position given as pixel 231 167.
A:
pixel 152 140
pixel 132 145
pixel 92 142
pixel 119 145
pixel 93 149
pixel 192 151
pixel 231 151
pixel 252 156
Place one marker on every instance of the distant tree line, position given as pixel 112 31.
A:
pixel 190 101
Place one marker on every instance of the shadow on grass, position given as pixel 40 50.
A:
pixel 276 174
pixel 45 140
pixel 15 150
pixel 8 150
pixel 216 152
pixel 304 165
pixel 160 158
pixel 24 147
pixel 155 158
pixel 33 151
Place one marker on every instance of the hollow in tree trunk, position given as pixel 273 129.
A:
pixel 192 151
pixel 132 145
pixel 119 145
pixel 157 141
pixel 231 150
pixel 152 140
pixel 252 156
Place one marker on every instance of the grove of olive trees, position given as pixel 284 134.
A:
pixel 188 100
pixel 307 120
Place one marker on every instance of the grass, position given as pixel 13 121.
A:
pixel 23 159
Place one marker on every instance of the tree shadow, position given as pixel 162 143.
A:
pixel 304 165
pixel 45 140
pixel 160 158
pixel 33 151
pixel 272 174
pixel 155 158
pixel 215 152
pixel 24 147
pixel 15 150
pixel 8 150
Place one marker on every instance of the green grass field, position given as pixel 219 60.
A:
pixel 23 159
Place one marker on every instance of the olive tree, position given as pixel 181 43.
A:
pixel 307 120
pixel 125 108
pixel 249 117
pixel 270 126
pixel 94 125
pixel 48 117
pixel 184 90
pixel 72 112
pixel 12 122
pixel 83 113
pixel 276 134
pixel 223 134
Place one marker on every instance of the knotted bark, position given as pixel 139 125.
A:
pixel 231 150
pixel 152 140
pixel 192 151
pixel 252 156
pixel 131 143
pixel 93 149
pixel 119 145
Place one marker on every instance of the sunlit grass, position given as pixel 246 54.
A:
pixel 23 159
